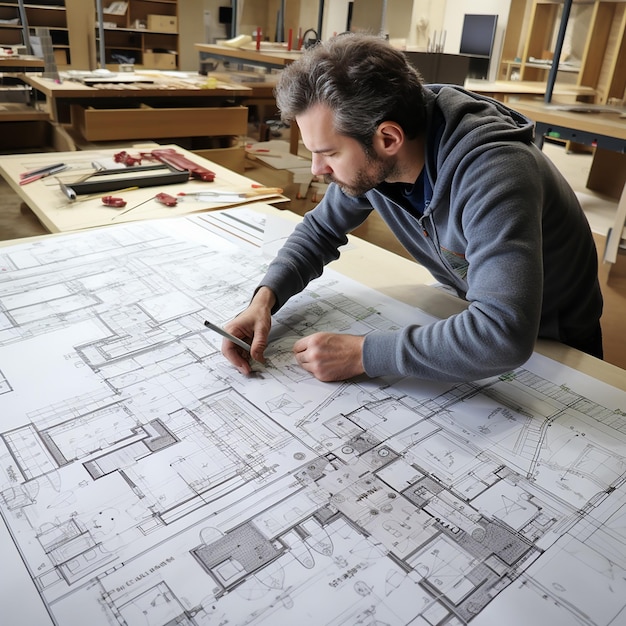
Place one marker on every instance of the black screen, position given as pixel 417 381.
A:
pixel 478 34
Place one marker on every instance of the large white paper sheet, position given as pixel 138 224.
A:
pixel 143 480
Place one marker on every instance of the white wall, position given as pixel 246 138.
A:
pixel 398 19
pixel 198 23
pixel 335 17
pixel 426 23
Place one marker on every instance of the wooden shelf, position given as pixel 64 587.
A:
pixel 600 37
pixel 133 33
pixel 38 15
pixel 20 63
pixel 18 112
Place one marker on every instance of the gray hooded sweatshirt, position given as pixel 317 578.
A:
pixel 503 228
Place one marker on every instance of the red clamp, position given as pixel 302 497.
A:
pixel 180 162
pixel 166 199
pixel 113 201
pixel 126 159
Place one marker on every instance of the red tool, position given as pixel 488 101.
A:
pixel 166 199
pixel 180 162
pixel 126 159
pixel 113 201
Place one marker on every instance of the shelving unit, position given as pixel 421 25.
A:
pixel 13 25
pixel 22 124
pixel 144 34
pixel 529 43
pixel 44 13
pixel 604 63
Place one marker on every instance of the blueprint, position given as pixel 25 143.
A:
pixel 145 481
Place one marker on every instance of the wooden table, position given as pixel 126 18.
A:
pixel 269 56
pixel 169 107
pixel 20 63
pixel 504 90
pixel 163 88
pixel 600 127
pixel 58 214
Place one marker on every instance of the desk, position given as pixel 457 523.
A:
pixel 164 89
pixel 46 199
pixel 503 90
pixel 270 56
pixel 20 63
pixel 602 129
pixel 509 66
pixel 169 108
pixel 144 481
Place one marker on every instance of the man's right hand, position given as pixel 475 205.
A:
pixel 253 326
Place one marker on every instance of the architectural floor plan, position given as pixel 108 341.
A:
pixel 144 481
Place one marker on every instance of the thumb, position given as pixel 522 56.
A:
pixel 259 344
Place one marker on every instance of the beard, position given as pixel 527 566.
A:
pixel 377 171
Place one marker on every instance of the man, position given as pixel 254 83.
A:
pixel 461 185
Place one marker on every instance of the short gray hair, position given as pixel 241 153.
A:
pixel 362 79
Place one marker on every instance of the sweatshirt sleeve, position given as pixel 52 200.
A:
pixel 314 243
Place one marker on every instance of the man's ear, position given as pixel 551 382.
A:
pixel 390 137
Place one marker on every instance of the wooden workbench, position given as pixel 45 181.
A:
pixel 179 108
pixel 20 63
pixel 505 90
pixel 58 214
pixel 269 56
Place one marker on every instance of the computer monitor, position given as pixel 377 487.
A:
pixel 478 34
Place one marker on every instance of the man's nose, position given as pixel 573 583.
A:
pixel 319 167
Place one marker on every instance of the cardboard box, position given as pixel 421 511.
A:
pixel 159 60
pixel 163 23
pixel 60 57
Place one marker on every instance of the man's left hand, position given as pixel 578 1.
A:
pixel 329 356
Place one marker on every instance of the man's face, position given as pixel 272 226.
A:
pixel 340 159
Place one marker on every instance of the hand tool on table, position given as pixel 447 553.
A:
pixel 126 159
pixel 227 195
pixel 72 196
pixel 42 172
pixel 166 199
pixel 113 201
pixel 161 198
pixel 180 162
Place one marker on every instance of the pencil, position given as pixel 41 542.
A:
pixel 220 331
